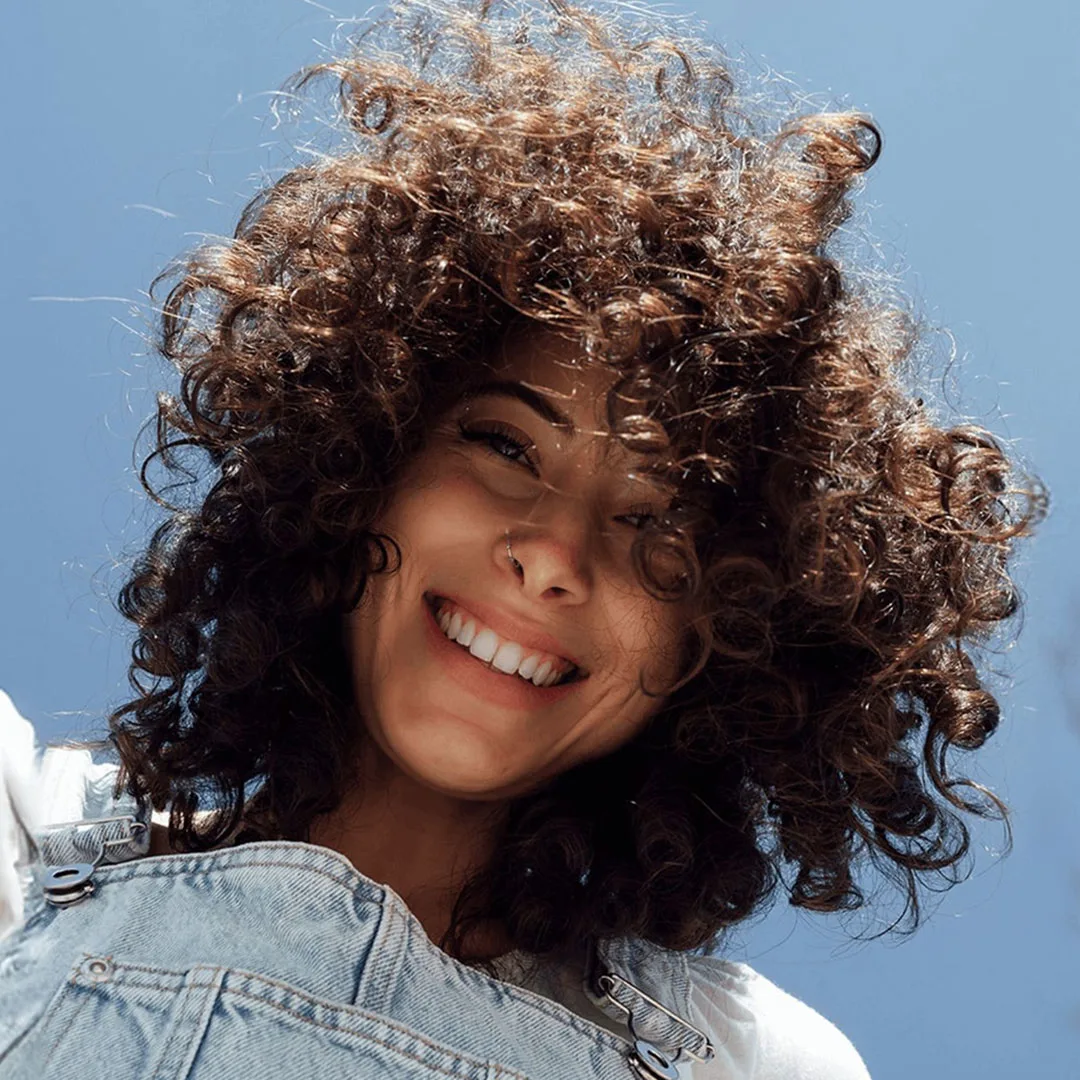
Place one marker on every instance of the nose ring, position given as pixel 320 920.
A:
pixel 510 552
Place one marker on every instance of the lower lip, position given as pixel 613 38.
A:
pixel 510 691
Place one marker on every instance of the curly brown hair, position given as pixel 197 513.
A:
pixel 844 553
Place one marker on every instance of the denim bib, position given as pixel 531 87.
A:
pixel 277 959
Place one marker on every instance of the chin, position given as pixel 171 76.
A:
pixel 465 764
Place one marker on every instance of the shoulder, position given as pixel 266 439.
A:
pixel 21 810
pixel 764 1032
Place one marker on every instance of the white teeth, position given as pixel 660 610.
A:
pixel 542 672
pixel 508 657
pixel 484 645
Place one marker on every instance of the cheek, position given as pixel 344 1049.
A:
pixel 360 633
pixel 649 637
pixel 445 510
pixel 645 647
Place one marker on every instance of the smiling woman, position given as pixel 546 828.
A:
pixel 514 526
pixel 575 574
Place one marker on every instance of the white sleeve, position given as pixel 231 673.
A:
pixel 37 789
pixel 799 1043
pixel 759 1032
pixel 21 808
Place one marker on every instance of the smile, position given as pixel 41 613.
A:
pixel 479 679
pixel 499 653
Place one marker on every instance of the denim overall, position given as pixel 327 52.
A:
pixel 277 959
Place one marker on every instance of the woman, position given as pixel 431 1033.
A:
pixel 573 573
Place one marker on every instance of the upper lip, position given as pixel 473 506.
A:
pixel 513 628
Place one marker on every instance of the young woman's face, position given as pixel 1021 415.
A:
pixel 526 458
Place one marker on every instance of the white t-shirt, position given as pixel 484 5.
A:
pixel 759 1032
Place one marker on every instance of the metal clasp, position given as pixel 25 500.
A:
pixel 67 885
pixel 72 882
pixel 646 1058
pixel 134 824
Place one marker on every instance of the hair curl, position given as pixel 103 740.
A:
pixel 843 552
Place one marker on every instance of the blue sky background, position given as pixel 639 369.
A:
pixel 134 127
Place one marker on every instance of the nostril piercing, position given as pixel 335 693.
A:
pixel 510 552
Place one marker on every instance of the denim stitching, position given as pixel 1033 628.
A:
pixel 71 981
pixel 615 1042
pixel 194 1031
pixel 135 871
pixel 438 1048
pixel 160 866
pixel 551 1009
pixel 445 1051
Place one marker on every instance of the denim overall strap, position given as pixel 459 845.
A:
pixel 648 988
pixel 110 829
pixel 97 840
pixel 113 829
pixel 246 958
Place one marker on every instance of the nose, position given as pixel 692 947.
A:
pixel 550 560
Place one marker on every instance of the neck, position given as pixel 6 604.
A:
pixel 422 843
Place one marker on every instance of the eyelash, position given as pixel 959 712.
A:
pixel 494 434
pixel 639 511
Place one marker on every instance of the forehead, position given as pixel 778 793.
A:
pixel 558 368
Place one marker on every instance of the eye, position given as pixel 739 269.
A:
pixel 501 440
pixel 639 516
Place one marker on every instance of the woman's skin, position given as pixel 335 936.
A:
pixel 451 741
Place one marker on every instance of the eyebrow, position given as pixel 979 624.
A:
pixel 542 406
pixel 518 391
